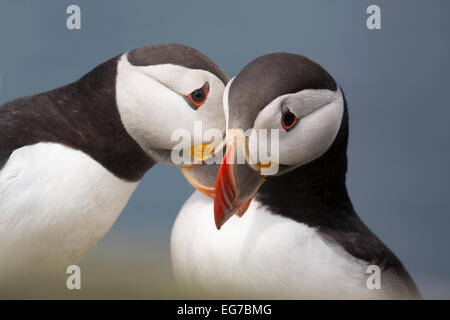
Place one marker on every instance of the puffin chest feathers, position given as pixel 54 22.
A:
pixel 56 198
pixel 261 254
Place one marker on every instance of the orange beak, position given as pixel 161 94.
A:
pixel 236 184
pixel 202 176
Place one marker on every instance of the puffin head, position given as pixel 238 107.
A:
pixel 283 103
pixel 168 92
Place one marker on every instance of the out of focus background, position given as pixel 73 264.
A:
pixel 396 81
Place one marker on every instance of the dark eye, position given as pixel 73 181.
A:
pixel 197 98
pixel 288 119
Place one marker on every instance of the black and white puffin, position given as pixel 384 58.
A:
pixel 300 236
pixel 70 158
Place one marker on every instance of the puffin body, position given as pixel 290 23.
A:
pixel 70 158
pixel 263 255
pixel 300 237
pixel 56 203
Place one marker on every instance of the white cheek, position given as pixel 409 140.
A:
pixel 151 111
pixel 183 81
pixel 312 136
pixel 180 79
pixel 211 114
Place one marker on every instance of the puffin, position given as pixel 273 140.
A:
pixel 70 158
pixel 281 223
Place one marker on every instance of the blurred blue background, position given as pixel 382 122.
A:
pixel 396 81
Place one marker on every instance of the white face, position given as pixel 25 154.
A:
pixel 152 102
pixel 312 119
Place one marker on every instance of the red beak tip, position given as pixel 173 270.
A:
pixel 219 223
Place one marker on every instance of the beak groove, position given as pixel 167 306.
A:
pixel 235 186
pixel 225 196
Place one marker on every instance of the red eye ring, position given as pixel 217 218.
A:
pixel 288 119
pixel 198 97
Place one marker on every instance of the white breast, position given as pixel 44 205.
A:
pixel 260 255
pixel 55 204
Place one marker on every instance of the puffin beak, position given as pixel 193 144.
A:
pixel 202 176
pixel 238 179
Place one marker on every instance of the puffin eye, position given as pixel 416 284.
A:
pixel 288 119
pixel 197 98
